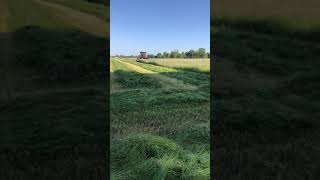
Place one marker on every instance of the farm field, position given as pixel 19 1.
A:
pixel 160 119
pixel 265 119
pixel 293 14
pixel 52 109
pixel 202 65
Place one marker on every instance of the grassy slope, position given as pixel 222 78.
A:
pixel 55 121
pixel 140 104
pixel 265 97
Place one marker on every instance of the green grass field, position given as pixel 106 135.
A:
pixel 54 124
pixel 160 119
pixel 265 100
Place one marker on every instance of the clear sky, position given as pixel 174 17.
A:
pixel 158 25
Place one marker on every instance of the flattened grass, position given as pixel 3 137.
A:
pixel 143 156
pixel 265 104
pixel 161 117
pixel 187 75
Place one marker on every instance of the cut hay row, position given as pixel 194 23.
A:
pixel 159 125
pixel 166 82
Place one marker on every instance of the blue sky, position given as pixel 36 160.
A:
pixel 158 25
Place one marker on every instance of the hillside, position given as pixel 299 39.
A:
pixel 52 106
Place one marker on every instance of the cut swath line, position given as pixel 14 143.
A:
pixel 165 81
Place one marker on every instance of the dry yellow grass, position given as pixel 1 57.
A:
pixel 199 64
pixel 166 82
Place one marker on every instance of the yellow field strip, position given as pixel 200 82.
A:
pixel 166 82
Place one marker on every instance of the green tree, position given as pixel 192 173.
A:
pixel 201 53
pixel 166 55
pixel 159 55
pixel 191 54
pixel 183 55
pixel 174 54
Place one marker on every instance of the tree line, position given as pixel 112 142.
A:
pixel 199 53
pixel 191 54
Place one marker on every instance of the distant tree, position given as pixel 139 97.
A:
pixel 201 53
pixel 179 55
pixel 159 55
pixel 183 55
pixel 151 56
pixel 166 55
pixel 174 54
pixel 191 54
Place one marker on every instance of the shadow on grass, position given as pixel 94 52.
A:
pixel 60 132
pixel 260 131
pixel 289 62
pixel 61 55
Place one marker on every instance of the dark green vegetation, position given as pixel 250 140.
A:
pixel 199 53
pixel 192 54
pixel 144 156
pixel 54 95
pixel 265 101
pixel 160 122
